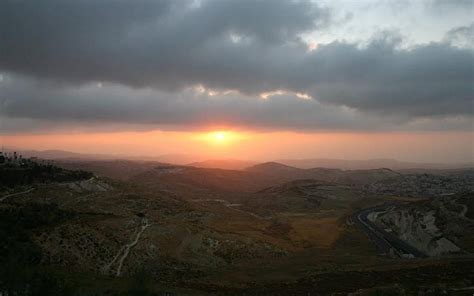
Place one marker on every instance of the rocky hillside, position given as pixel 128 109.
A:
pixel 436 227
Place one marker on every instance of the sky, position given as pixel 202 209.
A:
pixel 240 79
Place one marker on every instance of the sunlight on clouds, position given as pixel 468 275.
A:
pixel 266 95
pixel 303 96
pixel 278 92
pixel 201 89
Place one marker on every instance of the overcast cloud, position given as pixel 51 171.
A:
pixel 191 64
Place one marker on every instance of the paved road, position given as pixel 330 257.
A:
pixel 384 241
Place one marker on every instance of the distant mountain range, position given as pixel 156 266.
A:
pixel 368 164
pixel 67 155
pixel 236 164
pixel 227 164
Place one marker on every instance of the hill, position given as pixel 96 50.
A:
pixel 227 164
pixel 115 169
pixel 183 230
pixel 424 185
pixel 238 164
pixel 27 173
pixel 367 164
pixel 302 196
pixel 196 180
pixel 349 177
pixel 59 154
pixel 56 154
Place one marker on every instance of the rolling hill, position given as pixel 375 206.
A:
pixel 368 164
pixel 227 164
pixel 348 177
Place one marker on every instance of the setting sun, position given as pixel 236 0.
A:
pixel 219 136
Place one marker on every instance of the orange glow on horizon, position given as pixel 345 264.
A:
pixel 252 145
pixel 221 137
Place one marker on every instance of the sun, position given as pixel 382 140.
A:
pixel 219 136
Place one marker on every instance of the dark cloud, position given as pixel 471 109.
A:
pixel 26 104
pixel 429 80
pixel 191 108
pixel 163 44
pixel 156 50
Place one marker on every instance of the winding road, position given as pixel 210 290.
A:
pixel 386 243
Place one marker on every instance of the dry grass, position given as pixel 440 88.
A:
pixel 315 232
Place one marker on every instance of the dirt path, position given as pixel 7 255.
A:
pixel 15 194
pixel 125 250
pixel 131 245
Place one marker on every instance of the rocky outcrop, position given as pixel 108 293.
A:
pixel 418 228
pixel 90 185
pixel 436 227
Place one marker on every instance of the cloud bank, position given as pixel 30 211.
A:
pixel 199 63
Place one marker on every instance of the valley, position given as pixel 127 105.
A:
pixel 265 229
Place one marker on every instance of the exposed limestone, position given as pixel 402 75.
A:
pixel 90 185
pixel 424 226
